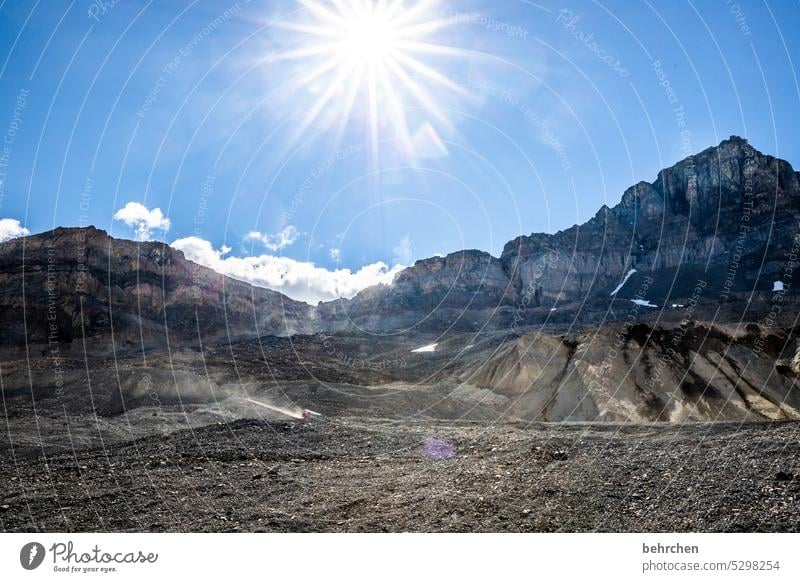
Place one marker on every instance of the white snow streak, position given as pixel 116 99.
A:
pixel 625 280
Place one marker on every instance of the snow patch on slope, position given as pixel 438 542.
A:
pixel 625 280
pixel 425 349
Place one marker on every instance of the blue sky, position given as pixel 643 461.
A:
pixel 550 110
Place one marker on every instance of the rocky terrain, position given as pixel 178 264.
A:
pixel 637 372
pixel 668 372
pixel 348 475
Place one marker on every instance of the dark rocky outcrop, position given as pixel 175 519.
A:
pixel 72 285
pixel 723 221
pixel 728 208
pixel 460 290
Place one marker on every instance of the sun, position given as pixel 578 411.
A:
pixel 368 38
pixel 369 58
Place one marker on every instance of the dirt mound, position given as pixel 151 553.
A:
pixel 641 372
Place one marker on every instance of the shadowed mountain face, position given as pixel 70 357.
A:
pixel 723 222
pixel 729 207
pixel 70 285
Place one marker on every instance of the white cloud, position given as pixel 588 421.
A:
pixel 336 254
pixel 143 220
pixel 298 280
pixel 11 228
pixel 276 242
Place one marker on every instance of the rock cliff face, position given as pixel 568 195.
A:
pixel 723 221
pixel 455 291
pixel 69 284
pixel 729 207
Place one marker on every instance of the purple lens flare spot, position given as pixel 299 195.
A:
pixel 439 449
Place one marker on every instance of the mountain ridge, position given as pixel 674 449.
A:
pixel 675 231
pixel 68 285
pixel 662 227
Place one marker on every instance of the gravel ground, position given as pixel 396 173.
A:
pixel 353 475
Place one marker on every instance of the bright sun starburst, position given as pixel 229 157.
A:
pixel 369 55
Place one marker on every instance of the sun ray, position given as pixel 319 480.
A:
pixel 345 8
pixel 316 72
pixel 371 52
pixel 310 29
pixel 391 11
pixel 423 28
pixel 410 46
pixel 373 114
pixel 397 112
pixel 323 100
pixel 300 53
pixel 324 14
pixel 349 103
pixel 414 14
pixel 431 74
pixel 421 95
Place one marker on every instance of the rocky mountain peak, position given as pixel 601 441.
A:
pixel 691 214
pixel 89 284
pixel 686 224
